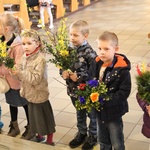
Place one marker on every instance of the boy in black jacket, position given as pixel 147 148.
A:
pixel 113 69
pixel 78 37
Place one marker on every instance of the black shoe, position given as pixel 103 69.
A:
pixel 90 143
pixel 78 140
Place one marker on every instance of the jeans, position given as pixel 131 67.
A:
pixel 110 135
pixel 82 121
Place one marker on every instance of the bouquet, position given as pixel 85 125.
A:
pixel 62 55
pixel 143 82
pixel 91 95
pixel 4 57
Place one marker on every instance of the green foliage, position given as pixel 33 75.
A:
pixel 143 85
pixel 91 95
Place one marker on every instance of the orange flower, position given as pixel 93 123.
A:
pixel 94 97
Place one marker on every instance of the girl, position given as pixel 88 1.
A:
pixel 32 74
pixel 46 4
pixel 10 28
pixel 146 109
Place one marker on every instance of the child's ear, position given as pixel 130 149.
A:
pixel 38 44
pixel 86 35
pixel 117 48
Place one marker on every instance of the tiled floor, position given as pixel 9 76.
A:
pixel 130 20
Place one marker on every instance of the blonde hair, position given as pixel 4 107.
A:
pixel 81 25
pixel 15 23
pixel 109 36
pixel 32 34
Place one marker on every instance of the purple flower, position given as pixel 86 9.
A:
pixel 82 99
pixel 93 83
pixel 100 99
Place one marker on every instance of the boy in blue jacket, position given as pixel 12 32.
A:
pixel 87 134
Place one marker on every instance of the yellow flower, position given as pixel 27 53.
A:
pixel 48 33
pixel 143 67
pixel 94 97
pixel 64 53
pixel 3 54
pixel 58 66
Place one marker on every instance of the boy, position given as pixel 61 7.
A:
pixel 78 37
pixel 113 69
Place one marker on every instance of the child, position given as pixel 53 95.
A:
pixel 113 69
pixel 10 28
pixel 46 4
pixel 1 123
pixel 79 31
pixel 146 116
pixel 34 86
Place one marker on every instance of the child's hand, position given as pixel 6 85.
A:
pixel 148 109
pixel 14 72
pixel 73 76
pixel 65 74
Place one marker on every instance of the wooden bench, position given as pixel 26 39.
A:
pixel 71 4
pixel 86 2
pixel 22 13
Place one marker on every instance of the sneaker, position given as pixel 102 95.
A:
pixel 40 26
pixel 78 140
pixel 52 144
pixel 90 142
pixel 51 26
pixel 43 139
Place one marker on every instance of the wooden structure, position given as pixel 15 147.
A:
pixel 22 13
pixel 86 2
pixel 72 4
pixel 60 10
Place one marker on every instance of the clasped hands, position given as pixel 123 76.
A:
pixel 68 74
pixel 148 109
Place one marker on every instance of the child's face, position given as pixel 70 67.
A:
pixel 148 67
pixel 29 44
pixel 106 51
pixel 76 37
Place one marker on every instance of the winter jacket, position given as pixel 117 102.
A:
pixel 15 51
pixel 146 118
pixel 33 76
pixel 118 81
pixel 85 56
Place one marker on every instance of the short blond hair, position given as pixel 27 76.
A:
pixel 80 25
pixel 109 36
pixel 32 34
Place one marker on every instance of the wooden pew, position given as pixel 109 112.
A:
pixel 22 13
pixel 60 12
pixel 72 4
pixel 86 2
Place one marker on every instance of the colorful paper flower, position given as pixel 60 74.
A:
pixel 143 82
pixel 91 95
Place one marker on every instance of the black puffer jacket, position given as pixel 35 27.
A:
pixel 118 81
pixel 85 56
